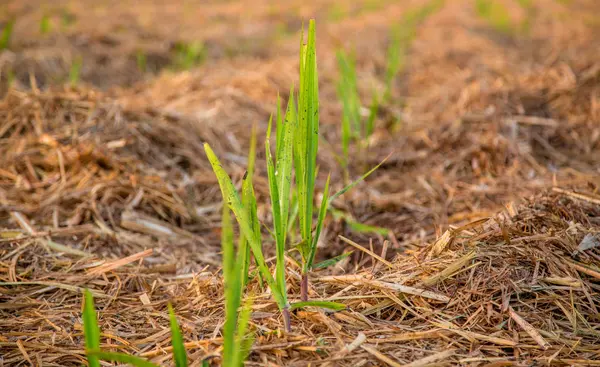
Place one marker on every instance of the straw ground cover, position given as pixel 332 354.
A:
pixel 490 199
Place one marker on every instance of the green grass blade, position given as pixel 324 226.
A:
pixel 300 188
pixel 355 103
pixel 357 226
pixel 312 117
pixel 302 56
pixel 141 61
pixel 346 139
pixel 302 139
pixel 75 71
pixel 179 354
pixel 6 34
pixel 308 132
pixel 187 55
pixel 10 77
pixel 244 253
pixel 277 175
pixel 121 358
pixel 252 153
pixel 304 249
pixel 67 19
pixel 279 127
pixel 300 148
pixel 344 89
pixel 365 228
pixel 45 24
pixel 279 229
pixel 244 320
pixel 394 61
pixel 356 182
pixel 232 286
pixel 285 163
pixel 247 201
pixel 322 304
pixel 348 91
pixel 227 242
pixel 483 8
pixel 322 213
pixel 91 331
pixel 494 13
pixel 242 265
pixel 231 198
pixel 269 127
pixel 293 214
pixel 245 348
pixel 250 207
pixel 330 262
pixel 243 339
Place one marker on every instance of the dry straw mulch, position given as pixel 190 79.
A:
pixel 95 197
pixel 519 288
pixel 111 191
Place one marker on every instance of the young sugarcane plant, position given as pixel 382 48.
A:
pixel 306 144
pixel 297 138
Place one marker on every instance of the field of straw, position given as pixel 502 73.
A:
pixel 476 243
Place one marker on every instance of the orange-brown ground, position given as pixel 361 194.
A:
pixel 491 188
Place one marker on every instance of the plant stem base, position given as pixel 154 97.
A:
pixel 304 287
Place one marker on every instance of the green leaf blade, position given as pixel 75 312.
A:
pixel 6 34
pixel 279 131
pixel 242 338
pixel 249 203
pixel 307 133
pixel 366 228
pixel 179 354
pixel 250 206
pixel 359 180
pixel 345 89
pixel 252 153
pixel 312 107
pixel 75 71
pixel 330 262
pixel 320 221
pixel 232 284
pixel 91 331
pixel 121 358
pixel 285 163
pixel 277 222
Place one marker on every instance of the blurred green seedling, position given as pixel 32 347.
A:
pixel 187 55
pixel 45 25
pixel 6 34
